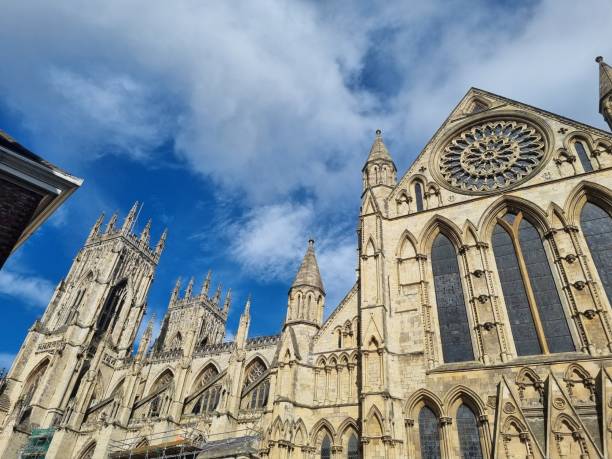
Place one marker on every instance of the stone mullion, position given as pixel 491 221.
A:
pixel 410 441
pixel 554 243
pixel 465 259
pixel 595 291
pixel 498 317
pixel 445 437
pixel 317 376
pixel 429 338
pixel 485 435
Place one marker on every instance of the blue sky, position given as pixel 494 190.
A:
pixel 243 126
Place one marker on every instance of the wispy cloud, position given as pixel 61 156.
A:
pixel 30 290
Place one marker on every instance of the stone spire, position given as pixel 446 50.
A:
pixel 96 228
pixel 206 285
pixel 605 90
pixel 146 233
pixel 379 168
pixel 228 301
pixel 146 337
pixel 189 289
pixel 243 326
pixel 111 224
pixel 162 243
pixel 217 296
pixel 379 149
pixel 129 221
pixel 306 295
pixel 308 274
pixel 175 292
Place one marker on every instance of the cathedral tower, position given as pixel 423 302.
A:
pixel 194 321
pixel 605 90
pixel 93 317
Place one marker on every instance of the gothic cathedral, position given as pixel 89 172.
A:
pixel 480 324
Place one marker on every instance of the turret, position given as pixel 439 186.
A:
pixel 217 296
pixel 379 169
pixel 605 90
pixel 307 295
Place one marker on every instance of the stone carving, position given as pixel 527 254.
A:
pixel 492 156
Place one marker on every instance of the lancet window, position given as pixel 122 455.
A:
pixel 452 312
pixel 596 226
pixel 537 318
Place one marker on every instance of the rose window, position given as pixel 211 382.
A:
pixel 492 156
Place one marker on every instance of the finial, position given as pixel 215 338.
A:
pixel 145 236
pixel 311 242
pixel 111 224
pixel 96 228
pixel 217 296
pixel 175 292
pixel 378 132
pixel 189 288
pixel 206 285
pixel 247 306
pixel 128 223
pixel 599 59
pixel 228 301
pixel 162 242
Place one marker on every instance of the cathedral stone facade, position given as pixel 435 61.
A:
pixel 480 324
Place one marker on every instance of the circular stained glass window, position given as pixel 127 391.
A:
pixel 492 155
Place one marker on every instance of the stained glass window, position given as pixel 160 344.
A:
pixel 469 436
pixel 515 296
pixel 353 447
pixel 326 448
pixel 529 289
pixel 545 290
pixel 452 314
pixel 429 434
pixel 418 191
pixel 597 229
pixel 583 157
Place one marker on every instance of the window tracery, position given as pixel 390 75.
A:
pixel 492 155
pixel 534 307
pixel 596 226
pixel 452 313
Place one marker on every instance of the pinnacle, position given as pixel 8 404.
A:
pixel 379 150
pixel 309 274
pixel 605 78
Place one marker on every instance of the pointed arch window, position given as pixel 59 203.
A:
pixel 353 447
pixel 429 434
pixel 596 226
pixel 418 196
pixel 532 299
pixel 469 436
pixel 326 448
pixel 583 156
pixel 452 313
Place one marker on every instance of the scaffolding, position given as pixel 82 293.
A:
pixel 38 444
pixel 183 443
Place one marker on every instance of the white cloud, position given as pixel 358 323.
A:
pixel 31 290
pixel 271 241
pixel 277 100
